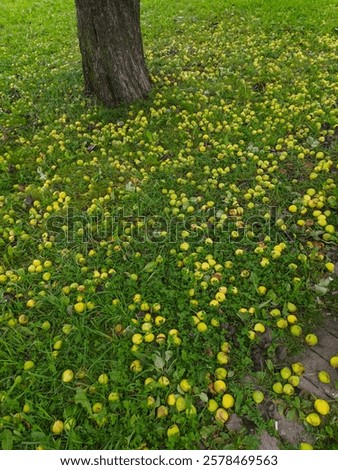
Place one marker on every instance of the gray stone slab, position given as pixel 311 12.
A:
pixel 291 431
pixel 268 442
pixel 331 325
pixel 316 359
pixel 309 387
pixel 327 345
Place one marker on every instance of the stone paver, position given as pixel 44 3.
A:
pixel 268 442
pixel 314 359
pixel 317 358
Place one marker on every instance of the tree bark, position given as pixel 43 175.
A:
pixel 112 52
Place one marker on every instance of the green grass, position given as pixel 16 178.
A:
pixel 114 222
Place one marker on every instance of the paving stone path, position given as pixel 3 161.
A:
pixel 317 358
pixel 314 360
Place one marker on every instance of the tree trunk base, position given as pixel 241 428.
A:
pixel 112 52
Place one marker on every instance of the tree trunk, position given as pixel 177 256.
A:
pixel 112 53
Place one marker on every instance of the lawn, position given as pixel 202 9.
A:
pixel 161 264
